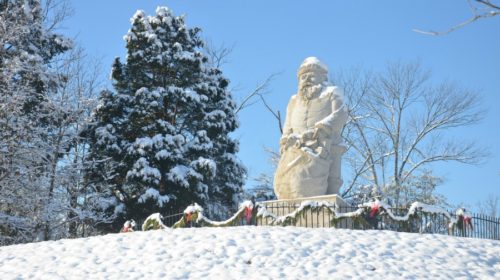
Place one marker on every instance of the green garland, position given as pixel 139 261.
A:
pixel 359 218
pixel 195 213
pixel 247 211
pixel 184 220
pixel 151 225
pixel 153 222
pixel 292 218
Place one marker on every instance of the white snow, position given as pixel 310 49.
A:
pixel 246 204
pixel 179 173
pixel 137 14
pixel 162 11
pixel 249 252
pixel 156 217
pixel 192 95
pixel 162 154
pixel 313 60
pixel 155 194
pixel 193 209
pixel 330 90
pixel 143 170
pixel 206 163
pixel 462 212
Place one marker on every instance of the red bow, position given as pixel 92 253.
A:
pixel 188 217
pixel 374 211
pixel 467 221
pixel 248 214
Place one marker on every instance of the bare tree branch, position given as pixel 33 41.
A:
pixel 276 114
pixel 55 12
pixel 261 89
pixel 485 9
pixel 218 55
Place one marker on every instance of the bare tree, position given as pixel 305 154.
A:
pixel 480 9
pixel 218 55
pixel 398 125
pixel 489 211
pixel 80 79
pixel 490 206
pixel 55 12
pixel 264 189
pixel 27 156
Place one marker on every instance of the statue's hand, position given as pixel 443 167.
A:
pixel 283 140
pixel 292 140
pixel 322 152
pixel 288 141
pixel 283 144
pixel 321 131
pixel 323 135
pixel 307 136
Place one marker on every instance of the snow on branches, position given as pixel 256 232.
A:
pixel 165 129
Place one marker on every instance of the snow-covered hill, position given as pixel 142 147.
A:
pixel 255 253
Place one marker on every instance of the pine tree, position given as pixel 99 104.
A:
pixel 163 136
pixel 27 118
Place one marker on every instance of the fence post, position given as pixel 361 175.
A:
pixel 497 229
pixel 483 226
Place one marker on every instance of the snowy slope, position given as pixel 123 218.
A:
pixel 255 253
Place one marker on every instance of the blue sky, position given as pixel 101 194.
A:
pixel 275 36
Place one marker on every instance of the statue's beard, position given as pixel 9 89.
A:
pixel 309 92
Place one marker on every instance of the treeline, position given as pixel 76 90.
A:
pixel 75 161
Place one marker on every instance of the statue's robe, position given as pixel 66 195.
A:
pixel 310 160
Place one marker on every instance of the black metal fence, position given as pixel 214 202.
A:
pixel 170 219
pixel 479 226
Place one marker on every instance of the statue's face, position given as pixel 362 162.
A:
pixel 310 84
pixel 310 79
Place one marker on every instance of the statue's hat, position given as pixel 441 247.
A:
pixel 312 64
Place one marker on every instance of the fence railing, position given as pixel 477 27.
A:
pixel 476 225
pixel 479 225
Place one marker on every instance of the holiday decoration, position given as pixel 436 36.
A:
pixel 248 214
pixel 368 215
pixel 194 213
pixel 359 217
pixel 464 220
pixel 153 222
pixel 374 208
pixel 128 226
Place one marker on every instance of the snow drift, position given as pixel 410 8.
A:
pixel 255 253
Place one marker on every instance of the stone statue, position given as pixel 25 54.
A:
pixel 311 146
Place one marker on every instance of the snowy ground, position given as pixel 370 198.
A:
pixel 255 253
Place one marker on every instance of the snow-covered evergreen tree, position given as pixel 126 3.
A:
pixel 163 137
pixel 27 118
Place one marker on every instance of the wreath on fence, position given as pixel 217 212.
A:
pixel 464 220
